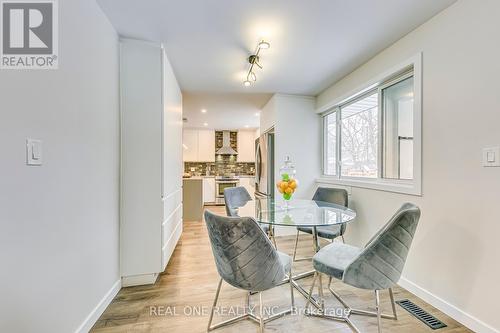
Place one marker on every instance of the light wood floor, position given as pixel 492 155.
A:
pixel 190 281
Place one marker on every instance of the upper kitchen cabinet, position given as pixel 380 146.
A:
pixel 246 146
pixel 190 145
pixel 206 146
pixel 198 145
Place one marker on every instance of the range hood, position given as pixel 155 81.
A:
pixel 226 145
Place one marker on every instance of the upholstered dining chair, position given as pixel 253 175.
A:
pixel 377 266
pixel 246 259
pixel 331 195
pixel 235 197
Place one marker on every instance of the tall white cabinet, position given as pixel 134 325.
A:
pixel 151 161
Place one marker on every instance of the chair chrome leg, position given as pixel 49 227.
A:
pixel 310 291
pixel 214 305
pixel 393 304
pixel 248 313
pixel 292 298
pixel 271 235
pixel 379 311
pixel 343 240
pixel 295 248
pixel 247 301
pixel 261 310
pixel 320 290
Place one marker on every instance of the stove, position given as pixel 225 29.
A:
pixel 223 182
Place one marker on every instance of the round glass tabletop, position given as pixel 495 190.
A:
pixel 300 213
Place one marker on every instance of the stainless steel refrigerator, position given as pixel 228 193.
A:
pixel 264 166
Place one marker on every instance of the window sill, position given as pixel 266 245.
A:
pixel 379 185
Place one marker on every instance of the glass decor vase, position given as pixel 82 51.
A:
pixel 288 183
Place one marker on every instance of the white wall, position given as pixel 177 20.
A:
pixel 268 115
pixel 59 222
pixel 298 135
pixel 454 259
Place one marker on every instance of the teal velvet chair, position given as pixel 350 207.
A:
pixel 377 266
pixel 235 197
pixel 246 259
pixel 330 195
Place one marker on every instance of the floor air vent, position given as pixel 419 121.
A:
pixel 421 314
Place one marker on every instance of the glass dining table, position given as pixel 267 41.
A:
pixel 297 213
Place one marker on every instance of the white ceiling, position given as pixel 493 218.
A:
pixel 223 110
pixel 313 43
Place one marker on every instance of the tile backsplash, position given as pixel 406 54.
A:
pixel 223 165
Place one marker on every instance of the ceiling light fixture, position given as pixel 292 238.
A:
pixel 254 59
pixel 264 45
pixel 205 124
pixel 203 110
pixel 252 76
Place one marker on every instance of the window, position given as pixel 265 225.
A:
pixel 358 132
pixel 397 105
pixel 331 139
pixel 372 138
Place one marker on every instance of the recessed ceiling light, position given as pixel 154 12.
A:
pixel 203 110
pixel 246 126
pixel 205 124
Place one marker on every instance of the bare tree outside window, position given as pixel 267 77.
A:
pixel 331 144
pixel 359 137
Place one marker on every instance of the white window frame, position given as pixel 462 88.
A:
pixel 412 187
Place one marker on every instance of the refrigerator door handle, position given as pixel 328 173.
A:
pixel 257 164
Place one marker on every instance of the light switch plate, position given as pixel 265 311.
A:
pixel 33 152
pixel 491 157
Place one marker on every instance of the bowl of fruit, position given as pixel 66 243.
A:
pixel 288 183
pixel 287 186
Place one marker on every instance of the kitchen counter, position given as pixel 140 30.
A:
pixel 192 199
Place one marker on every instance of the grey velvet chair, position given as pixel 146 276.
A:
pixel 246 259
pixel 235 197
pixel 377 266
pixel 330 195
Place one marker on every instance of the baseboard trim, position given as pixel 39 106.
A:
pixel 99 309
pixel 139 280
pixel 451 310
